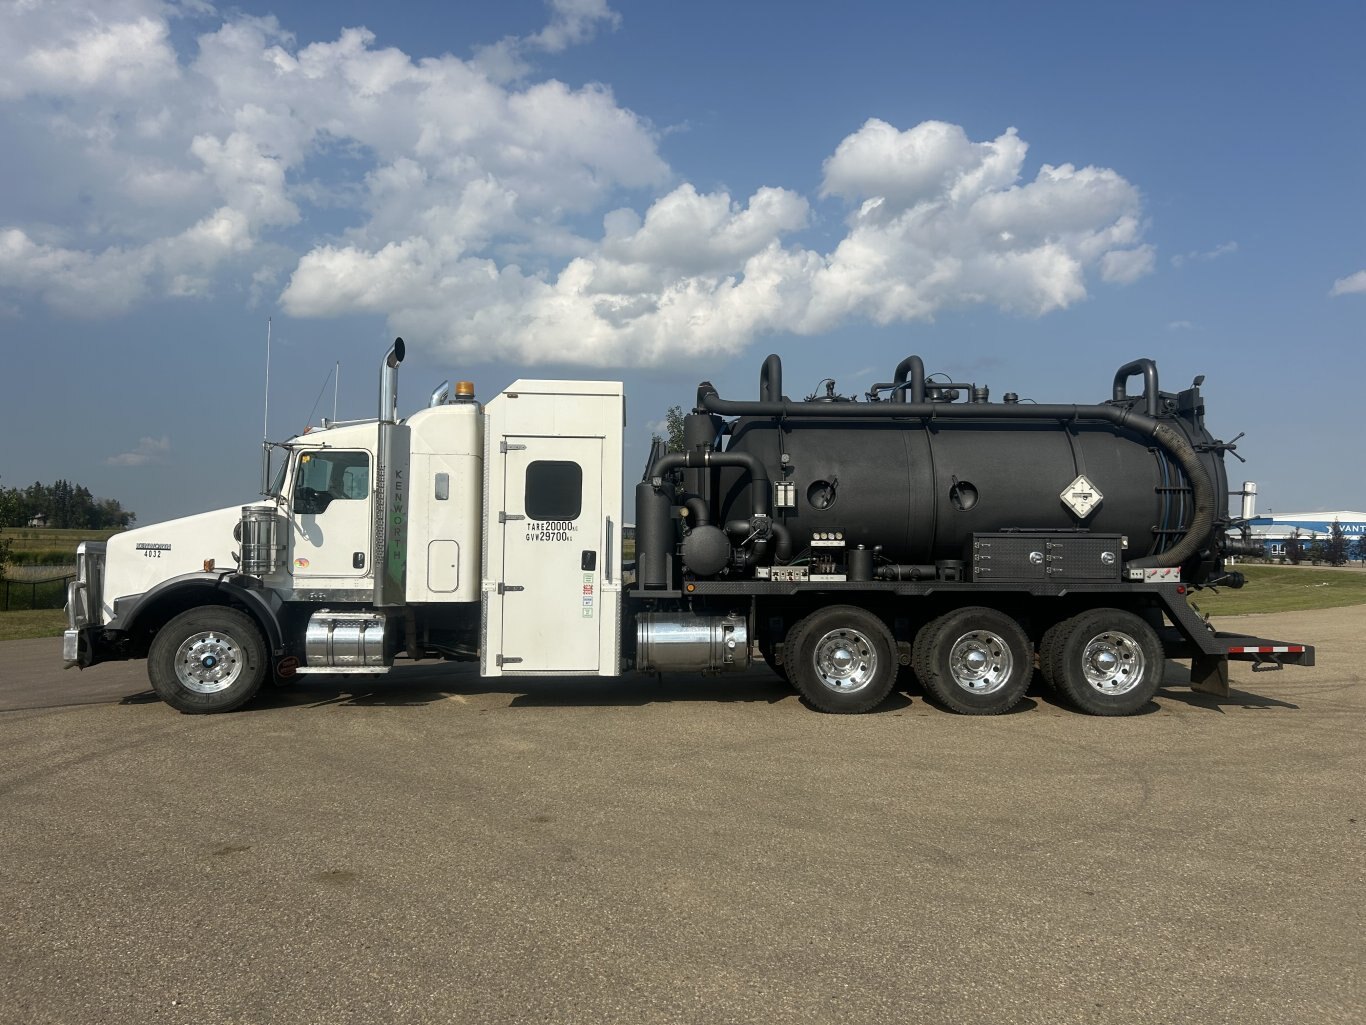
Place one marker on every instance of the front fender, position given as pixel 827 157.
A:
pixel 190 590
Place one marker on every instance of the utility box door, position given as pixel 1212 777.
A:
pixel 553 558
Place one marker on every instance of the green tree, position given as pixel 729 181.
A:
pixel 9 507
pixel 1337 544
pixel 673 424
pixel 1318 548
pixel 7 503
pixel 1294 547
pixel 62 504
pixel 1360 548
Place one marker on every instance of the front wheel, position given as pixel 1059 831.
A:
pixel 842 659
pixel 210 659
pixel 1106 662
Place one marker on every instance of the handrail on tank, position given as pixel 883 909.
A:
pixel 1133 368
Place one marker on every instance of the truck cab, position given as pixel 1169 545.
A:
pixel 488 533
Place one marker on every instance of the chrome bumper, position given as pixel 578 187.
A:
pixel 71 645
pixel 83 597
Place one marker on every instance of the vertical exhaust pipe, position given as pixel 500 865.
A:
pixel 1249 499
pixel 388 383
pixel 390 524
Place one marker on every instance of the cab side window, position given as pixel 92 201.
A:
pixel 554 490
pixel 326 477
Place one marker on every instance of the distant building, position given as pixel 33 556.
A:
pixel 38 521
pixel 1273 529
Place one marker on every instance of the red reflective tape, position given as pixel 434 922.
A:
pixel 1285 648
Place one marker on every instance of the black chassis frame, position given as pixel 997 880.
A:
pixel 1190 636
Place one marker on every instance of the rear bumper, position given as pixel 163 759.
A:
pixel 1261 651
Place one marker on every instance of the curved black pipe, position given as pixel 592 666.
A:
pixel 761 499
pixel 771 379
pixel 1170 439
pixel 916 367
pixel 782 549
pixel 698 513
pixel 1133 368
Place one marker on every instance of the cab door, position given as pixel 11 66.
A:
pixel 331 508
pixel 552 558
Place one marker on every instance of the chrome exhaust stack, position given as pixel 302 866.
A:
pixel 388 383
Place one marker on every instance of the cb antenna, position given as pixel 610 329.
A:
pixel 265 423
pixel 265 420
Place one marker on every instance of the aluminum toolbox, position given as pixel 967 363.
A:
pixel 1025 556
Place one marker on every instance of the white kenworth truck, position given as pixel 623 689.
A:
pixel 920 529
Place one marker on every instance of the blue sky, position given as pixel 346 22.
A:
pixel 1027 195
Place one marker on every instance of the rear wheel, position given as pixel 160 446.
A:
pixel 1107 662
pixel 1049 646
pixel 977 661
pixel 210 659
pixel 842 659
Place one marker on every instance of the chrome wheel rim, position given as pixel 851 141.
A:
pixel 845 661
pixel 208 662
pixel 980 662
pixel 1113 663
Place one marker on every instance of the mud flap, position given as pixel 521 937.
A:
pixel 1209 675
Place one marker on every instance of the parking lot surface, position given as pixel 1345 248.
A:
pixel 437 848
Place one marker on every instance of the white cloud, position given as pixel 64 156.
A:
pixel 928 162
pixel 64 47
pixel 1351 284
pixel 1124 266
pixel 149 450
pixel 451 195
pixel 218 158
pixel 573 22
pixel 1206 255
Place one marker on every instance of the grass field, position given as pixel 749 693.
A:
pixel 1287 589
pixel 16 626
pixel 39 546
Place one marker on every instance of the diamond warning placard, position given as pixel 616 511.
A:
pixel 1081 496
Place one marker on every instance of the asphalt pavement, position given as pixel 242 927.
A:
pixel 438 848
